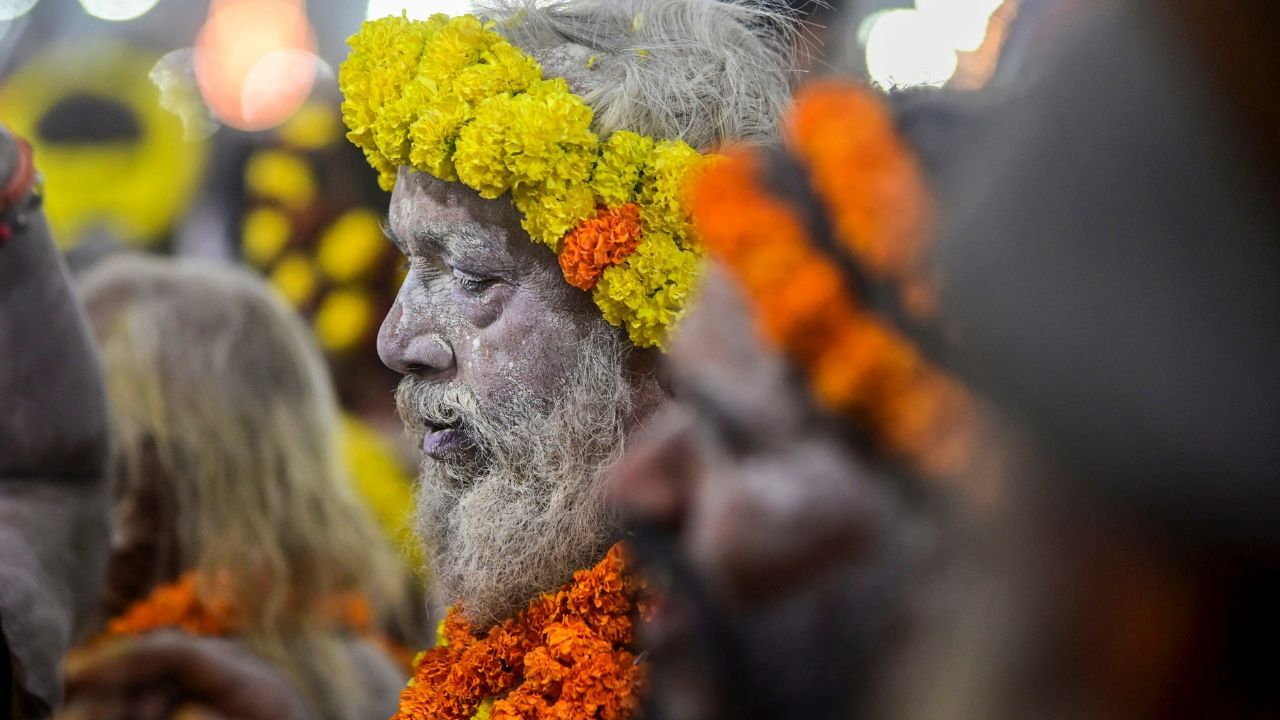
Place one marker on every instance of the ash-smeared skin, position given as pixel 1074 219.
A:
pixel 551 390
pixel 510 340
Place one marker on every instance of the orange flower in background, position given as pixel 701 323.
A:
pixel 180 606
pixel 857 364
pixel 867 176
pixel 198 608
pixel 596 243
pixel 565 656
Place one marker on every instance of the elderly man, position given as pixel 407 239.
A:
pixel 53 451
pixel 537 161
pixel 537 167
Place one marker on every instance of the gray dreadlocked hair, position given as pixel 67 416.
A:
pixel 703 71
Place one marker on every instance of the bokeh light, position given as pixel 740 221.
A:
pixel 255 61
pixel 118 10
pixel 905 49
pixel 417 9
pixel 910 47
pixel 10 9
pixel 963 21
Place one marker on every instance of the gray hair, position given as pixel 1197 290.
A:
pixel 703 71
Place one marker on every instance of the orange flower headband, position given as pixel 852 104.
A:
pixel 841 300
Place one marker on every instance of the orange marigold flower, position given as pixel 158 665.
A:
pixel 856 363
pixel 564 656
pixel 599 242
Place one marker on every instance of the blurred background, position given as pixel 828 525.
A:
pixel 212 128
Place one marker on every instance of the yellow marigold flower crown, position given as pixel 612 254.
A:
pixel 453 98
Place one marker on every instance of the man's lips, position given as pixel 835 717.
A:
pixel 440 441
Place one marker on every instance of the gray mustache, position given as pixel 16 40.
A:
pixel 421 403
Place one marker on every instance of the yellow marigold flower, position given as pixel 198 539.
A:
pixel 458 44
pixel 478 158
pixel 351 246
pixel 617 172
pixel 282 176
pixel 343 318
pixel 264 235
pixel 549 138
pixel 384 58
pixel 647 293
pixel 295 278
pixel 662 186
pixel 503 68
pixel 548 215
pixel 433 136
pixel 471 107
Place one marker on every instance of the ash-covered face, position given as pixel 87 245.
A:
pixel 518 390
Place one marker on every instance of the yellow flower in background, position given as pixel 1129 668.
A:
pixel 343 319
pixel 352 246
pixel 381 481
pixel 295 278
pixel 281 176
pixel 134 183
pixel 314 126
pixel 264 235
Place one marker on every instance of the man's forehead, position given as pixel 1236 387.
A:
pixel 431 215
pixel 420 197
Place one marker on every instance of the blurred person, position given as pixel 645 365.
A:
pixel 1114 279
pixel 536 166
pixel 53 451
pixel 232 516
pixel 784 503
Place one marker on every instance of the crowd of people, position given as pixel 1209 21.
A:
pixel 740 392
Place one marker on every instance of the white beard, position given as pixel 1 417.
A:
pixel 515 516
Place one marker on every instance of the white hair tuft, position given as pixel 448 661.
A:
pixel 703 71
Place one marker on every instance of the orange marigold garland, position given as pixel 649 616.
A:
pixel 567 655
pixel 857 364
pixel 868 179
pixel 188 605
pixel 180 606
pixel 595 244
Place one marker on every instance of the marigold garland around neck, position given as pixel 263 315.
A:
pixel 452 98
pixel 857 362
pixel 567 655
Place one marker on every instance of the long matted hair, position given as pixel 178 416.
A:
pixel 222 406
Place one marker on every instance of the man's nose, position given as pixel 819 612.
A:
pixel 409 348
pixel 657 476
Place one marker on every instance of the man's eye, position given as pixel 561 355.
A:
pixel 472 283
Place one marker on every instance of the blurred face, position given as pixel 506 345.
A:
pixel 764 500
pixel 516 389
